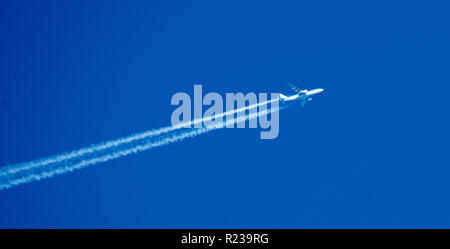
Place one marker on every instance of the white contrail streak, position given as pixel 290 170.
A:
pixel 117 142
pixel 44 168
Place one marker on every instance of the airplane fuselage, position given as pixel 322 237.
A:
pixel 305 94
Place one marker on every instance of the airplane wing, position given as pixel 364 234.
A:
pixel 296 89
pixel 303 102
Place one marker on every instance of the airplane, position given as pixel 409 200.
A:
pixel 302 95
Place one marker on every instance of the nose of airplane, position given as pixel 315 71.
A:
pixel 316 91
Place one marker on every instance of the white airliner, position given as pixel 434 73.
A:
pixel 302 95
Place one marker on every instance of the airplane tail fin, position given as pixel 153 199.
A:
pixel 282 96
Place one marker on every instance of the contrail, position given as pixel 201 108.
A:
pixel 63 163
pixel 117 142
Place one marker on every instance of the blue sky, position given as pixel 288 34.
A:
pixel 369 152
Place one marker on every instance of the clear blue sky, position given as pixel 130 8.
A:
pixel 371 151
